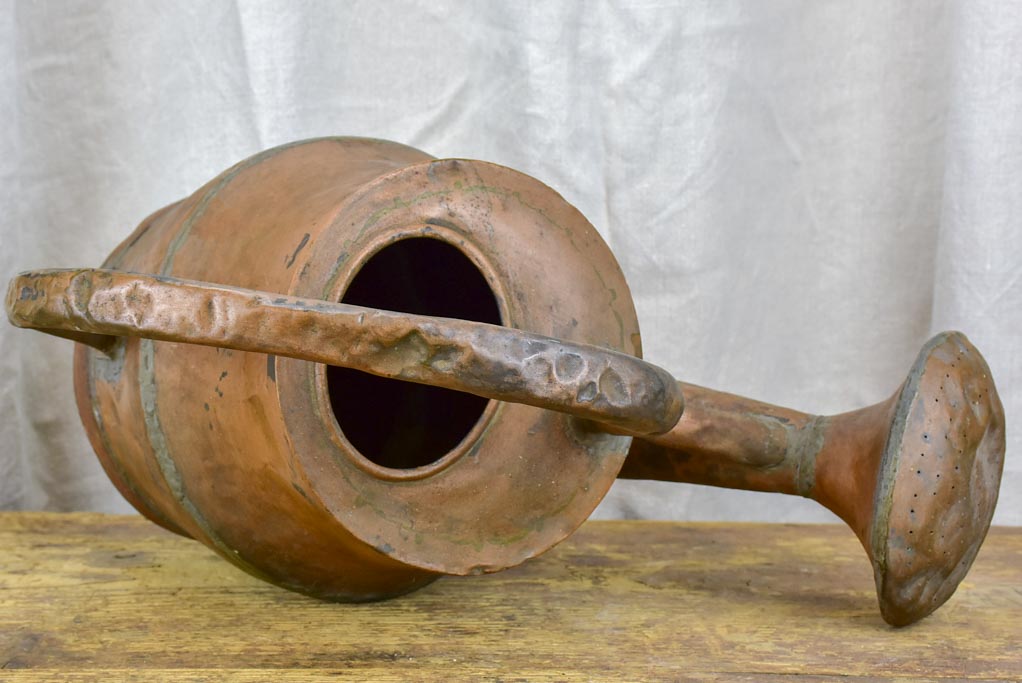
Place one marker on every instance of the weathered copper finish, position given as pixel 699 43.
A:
pixel 243 451
pixel 202 379
pixel 95 307
pixel 916 476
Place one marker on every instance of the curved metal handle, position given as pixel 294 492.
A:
pixel 94 306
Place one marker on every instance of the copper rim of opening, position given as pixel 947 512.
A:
pixel 344 276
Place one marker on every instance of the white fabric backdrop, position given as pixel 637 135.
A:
pixel 799 192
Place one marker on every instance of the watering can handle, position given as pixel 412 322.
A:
pixel 95 306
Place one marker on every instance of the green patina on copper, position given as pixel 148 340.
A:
pixel 884 498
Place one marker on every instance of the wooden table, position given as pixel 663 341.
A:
pixel 94 597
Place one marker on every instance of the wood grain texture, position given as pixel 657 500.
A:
pixel 87 597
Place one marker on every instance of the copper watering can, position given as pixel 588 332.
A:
pixel 350 368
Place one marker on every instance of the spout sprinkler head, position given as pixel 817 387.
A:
pixel 938 479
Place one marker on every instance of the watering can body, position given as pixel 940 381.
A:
pixel 247 452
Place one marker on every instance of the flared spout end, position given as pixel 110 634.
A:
pixel 938 479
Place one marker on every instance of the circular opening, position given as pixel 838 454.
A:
pixel 401 425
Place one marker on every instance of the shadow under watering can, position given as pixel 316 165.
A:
pixel 350 368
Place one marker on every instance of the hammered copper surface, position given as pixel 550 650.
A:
pixel 215 413
pixel 96 306
pixel 241 450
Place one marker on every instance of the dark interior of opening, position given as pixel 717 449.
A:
pixel 398 424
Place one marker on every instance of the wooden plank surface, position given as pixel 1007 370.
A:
pixel 88 597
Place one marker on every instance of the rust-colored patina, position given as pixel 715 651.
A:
pixel 349 368
pixel 916 476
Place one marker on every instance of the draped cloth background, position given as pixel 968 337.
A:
pixel 799 192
